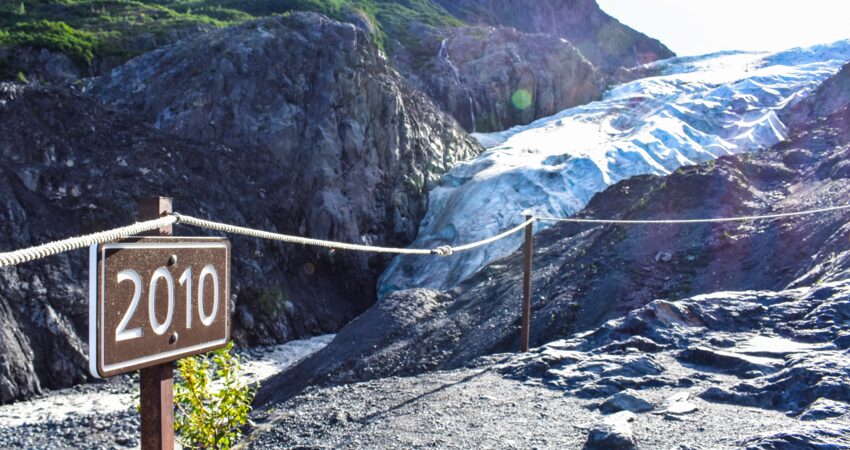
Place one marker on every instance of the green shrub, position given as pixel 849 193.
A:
pixel 78 45
pixel 212 405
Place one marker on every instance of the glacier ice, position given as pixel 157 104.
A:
pixel 697 109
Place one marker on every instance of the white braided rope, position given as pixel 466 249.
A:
pixel 233 229
pixel 709 220
pixel 495 238
pixel 53 248
pixel 443 250
pixel 65 245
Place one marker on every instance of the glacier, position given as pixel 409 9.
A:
pixel 695 109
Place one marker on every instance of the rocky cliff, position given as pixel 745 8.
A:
pixel 605 41
pixel 492 78
pixel 584 275
pixel 294 124
pixel 830 97
pixel 503 63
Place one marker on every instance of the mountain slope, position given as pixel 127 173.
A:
pixel 601 38
pixel 318 136
pixel 479 76
pixel 698 109
pixel 96 36
pixel 584 275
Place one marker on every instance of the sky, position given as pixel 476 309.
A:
pixel 694 27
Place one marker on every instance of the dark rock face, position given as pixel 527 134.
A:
pixel 69 167
pixel 320 138
pixel 493 78
pixel 539 59
pixel 830 97
pixel 356 147
pixel 584 275
pixel 321 101
pixel 606 42
pixel 42 64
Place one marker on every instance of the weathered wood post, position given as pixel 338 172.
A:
pixel 156 383
pixel 525 332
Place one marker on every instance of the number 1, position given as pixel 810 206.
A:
pixel 186 279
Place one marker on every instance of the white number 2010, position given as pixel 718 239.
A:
pixel 121 331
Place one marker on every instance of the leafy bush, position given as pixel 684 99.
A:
pixel 212 404
pixel 78 45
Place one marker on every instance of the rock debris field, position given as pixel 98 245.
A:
pixel 752 369
pixel 104 415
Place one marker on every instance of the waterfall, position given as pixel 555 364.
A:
pixel 444 55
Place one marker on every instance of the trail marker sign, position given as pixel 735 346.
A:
pixel 156 299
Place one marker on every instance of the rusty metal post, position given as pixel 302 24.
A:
pixel 156 383
pixel 525 332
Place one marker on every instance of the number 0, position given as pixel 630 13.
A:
pixel 160 328
pixel 208 270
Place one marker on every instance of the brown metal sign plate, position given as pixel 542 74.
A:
pixel 156 299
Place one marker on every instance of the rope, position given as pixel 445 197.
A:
pixel 443 250
pixel 53 248
pixel 65 245
pixel 709 220
pixel 496 237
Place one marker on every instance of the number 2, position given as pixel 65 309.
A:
pixel 120 333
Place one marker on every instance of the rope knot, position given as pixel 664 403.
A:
pixel 443 250
pixel 178 217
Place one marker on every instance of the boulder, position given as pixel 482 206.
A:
pixel 627 400
pixel 612 433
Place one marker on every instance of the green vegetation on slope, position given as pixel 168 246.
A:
pixel 117 30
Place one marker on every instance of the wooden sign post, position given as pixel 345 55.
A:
pixel 156 383
pixel 525 327
pixel 153 300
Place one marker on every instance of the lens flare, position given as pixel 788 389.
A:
pixel 521 99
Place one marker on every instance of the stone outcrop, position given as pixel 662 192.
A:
pixel 492 78
pixel 831 96
pixel 605 41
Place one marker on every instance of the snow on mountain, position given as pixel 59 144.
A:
pixel 697 109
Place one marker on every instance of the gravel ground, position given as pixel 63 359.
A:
pixel 480 408
pixel 71 418
pixel 104 416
